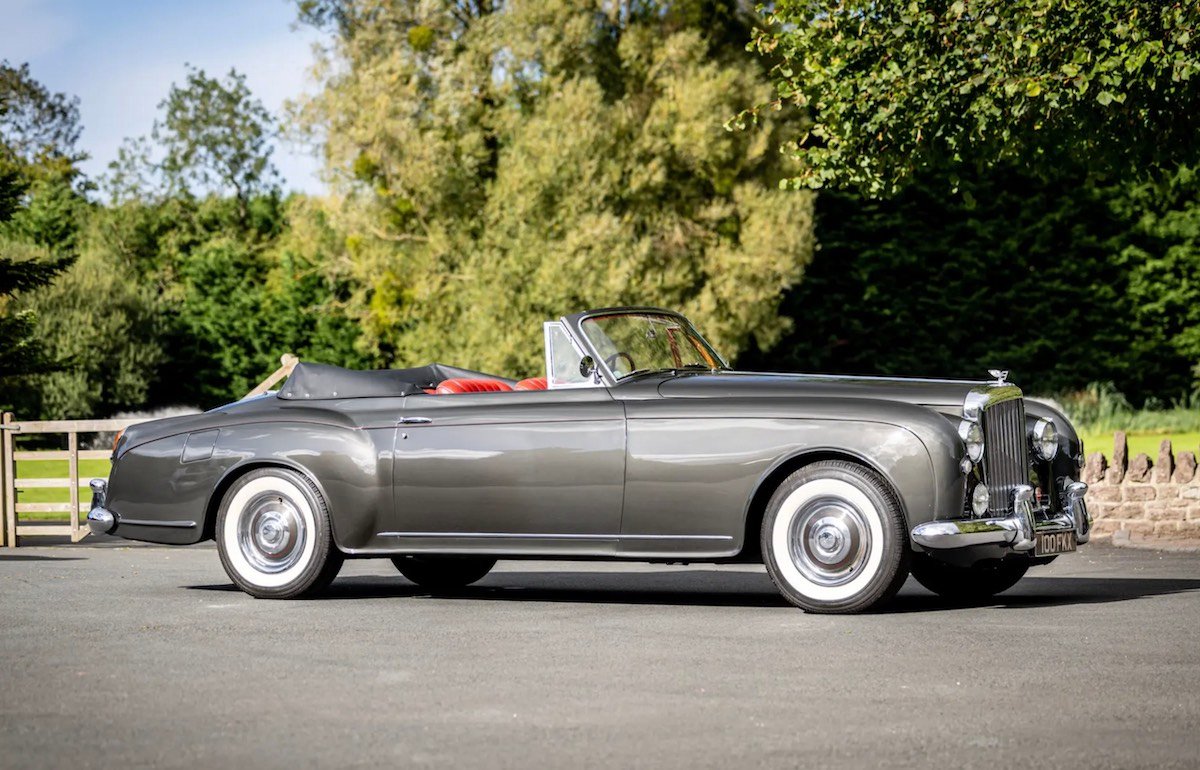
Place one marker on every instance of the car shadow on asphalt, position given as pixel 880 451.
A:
pixel 1053 592
pixel 714 588
pixel 37 557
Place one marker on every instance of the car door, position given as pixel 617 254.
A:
pixel 542 466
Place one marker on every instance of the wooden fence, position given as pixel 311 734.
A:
pixel 75 526
pixel 10 482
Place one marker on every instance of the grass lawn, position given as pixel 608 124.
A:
pixel 56 469
pixel 1142 441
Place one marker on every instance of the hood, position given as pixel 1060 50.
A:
pixel 941 394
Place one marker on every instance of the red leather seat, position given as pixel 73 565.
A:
pixel 463 385
pixel 533 383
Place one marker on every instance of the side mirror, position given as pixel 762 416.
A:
pixel 587 368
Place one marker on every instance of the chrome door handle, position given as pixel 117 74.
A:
pixel 415 421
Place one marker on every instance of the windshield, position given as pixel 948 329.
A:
pixel 631 343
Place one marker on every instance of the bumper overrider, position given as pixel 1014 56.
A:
pixel 1017 530
pixel 100 520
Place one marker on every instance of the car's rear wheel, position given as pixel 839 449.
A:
pixel 274 536
pixel 966 584
pixel 833 538
pixel 444 573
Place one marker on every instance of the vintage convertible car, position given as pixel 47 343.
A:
pixel 639 443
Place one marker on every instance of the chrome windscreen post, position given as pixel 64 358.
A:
pixel 1023 514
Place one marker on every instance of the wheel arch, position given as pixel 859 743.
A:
pixel 235 472
pixel 756 507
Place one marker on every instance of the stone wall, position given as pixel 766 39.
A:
pixel 1141 498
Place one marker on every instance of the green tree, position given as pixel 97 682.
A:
pixel 218 136
pixel 101 321
pixel 38 210
pixel 22 269
pixel 235 299
pixel 499 164
pixel 213 138
pixel 891 88
pixel 1160 257
pixel 197 215
pixel 35 123
pixel 1060 281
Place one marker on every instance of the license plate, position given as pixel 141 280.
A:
pixel 1054 542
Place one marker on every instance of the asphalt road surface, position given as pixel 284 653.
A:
pixel 115 656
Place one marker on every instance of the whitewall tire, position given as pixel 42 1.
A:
pixel 833 538
pixel 274 536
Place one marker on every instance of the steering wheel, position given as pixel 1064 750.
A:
pixel 612 361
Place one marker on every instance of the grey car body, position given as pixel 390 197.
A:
pixel 668 465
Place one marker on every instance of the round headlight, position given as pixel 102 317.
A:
pixel 1045 439
pixel 972 436
pixel 979 499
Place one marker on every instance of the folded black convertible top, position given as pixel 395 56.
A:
pixel 321 381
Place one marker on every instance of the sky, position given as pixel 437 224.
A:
pixel 120 58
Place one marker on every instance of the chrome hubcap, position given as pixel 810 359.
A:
pixel 271 533
pixel 830 541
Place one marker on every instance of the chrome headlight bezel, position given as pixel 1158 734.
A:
pixel 1045 439
pixel 971 433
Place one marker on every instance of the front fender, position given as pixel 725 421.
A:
pixel 351 467
pixel 707 466
pixel 914 448
pixel 162 495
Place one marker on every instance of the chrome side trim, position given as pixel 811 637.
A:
pixel 171 524
pixel 549 536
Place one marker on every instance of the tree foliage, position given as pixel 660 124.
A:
pixel 39 211
pixel 35 123
pixel 1161 261
pixel 891 88
pixel 498 165
pixel 217 137
pixel 213 137
pixel 1061 282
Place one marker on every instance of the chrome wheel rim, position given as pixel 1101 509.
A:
pixel 271 533
pixel 829 540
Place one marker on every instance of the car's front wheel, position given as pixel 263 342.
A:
pixel 967 584
pixel 274 536
pixel 444 573
pixel 833 538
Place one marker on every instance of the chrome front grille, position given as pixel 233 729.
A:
pixel 1005 454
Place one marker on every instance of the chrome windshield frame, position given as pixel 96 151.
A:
pixel 573 324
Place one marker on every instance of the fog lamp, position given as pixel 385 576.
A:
pixel 979 499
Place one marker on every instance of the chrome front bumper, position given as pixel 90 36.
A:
pixel 100 520
pixel 1017 530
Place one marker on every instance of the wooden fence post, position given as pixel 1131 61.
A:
pixel 73 474
pixel 10 486
pixel 3 494
pixel 287 362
